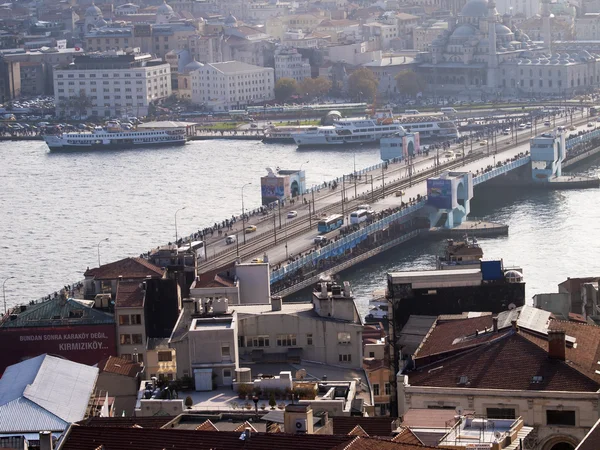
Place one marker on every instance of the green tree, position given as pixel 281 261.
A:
pixel 314 87
pixel 285 88
pixel 409 83
pixel 272 402
pixel 362 84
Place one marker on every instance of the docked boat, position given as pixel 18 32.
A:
pixel 113 137
pixel 283 135
pixel 459 254
pixel 430 126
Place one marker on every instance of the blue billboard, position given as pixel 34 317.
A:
pixel 439 193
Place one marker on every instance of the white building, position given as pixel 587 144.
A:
pixel 232 84
pixel 290 64
pixel 115 83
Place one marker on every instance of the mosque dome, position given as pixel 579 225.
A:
pixel 164 9
pixel 93 10
pixel 475 8
pixel 230 20
pixel 502 30
pixel 463 32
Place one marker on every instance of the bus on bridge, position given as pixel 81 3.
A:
pixel 330 223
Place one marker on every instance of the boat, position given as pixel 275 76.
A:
pixel 459 254
pixel 378 308
pixel 114 137
pixel 366 130
pixel 282 134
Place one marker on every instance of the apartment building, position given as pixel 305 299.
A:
pixel 115 83
pixel 289 63
pixel 232 84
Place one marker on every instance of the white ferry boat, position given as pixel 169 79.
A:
pixel 430 126
pixel 283 134
pixel 347 131
pixel 113 137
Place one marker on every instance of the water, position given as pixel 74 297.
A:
pixel 55 208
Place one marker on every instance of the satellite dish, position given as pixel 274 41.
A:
pixel 497 435
pixel 512 306
pixel 459 410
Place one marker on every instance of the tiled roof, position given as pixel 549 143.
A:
pixel 245 425
pixel 452 335
pixel 57 312
pixel 429 418
pixel 357 431
pixel 127 422
pixel 406 436
pixel 373 426
pixel 127 268
pixel 592 440
pixel 120 366
pixel 206 426
pixel 130 295
pixel 90 438
pixel 586 354
pixel 368 443
pixel 507 363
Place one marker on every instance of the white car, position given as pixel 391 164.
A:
pixel 292 214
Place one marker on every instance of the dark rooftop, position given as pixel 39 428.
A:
pixel 127 422
pixel 127 268
pixel 130 294
pixel 373 426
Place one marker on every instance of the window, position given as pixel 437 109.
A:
pixel 309 340
pixel 375 389
pixel 345 357
pixel 123 319
pixel 388 389
pixel 501 413
pixel 226 373
pixel 125 339
pixel 286 340
pixel 343 338
pixel 225 352
pixel 165 356
pixel 258 341
pixel 136 338
pixel 556 417
pixel 136 319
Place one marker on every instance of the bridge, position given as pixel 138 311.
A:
pixel 295 261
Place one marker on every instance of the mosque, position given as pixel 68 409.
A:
pixel 482 54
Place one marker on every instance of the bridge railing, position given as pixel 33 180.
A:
pixel 340 246
pixel 500 170
pixel 571 142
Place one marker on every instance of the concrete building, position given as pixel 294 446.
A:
pixel 131 326
pixel 387 68
pixel 232 85
pixel 161 360
pixel 121 379
pixel 425 34
pixel 521 363
pixel 10 80
pixel 587 27
pixel 115 84
pixel 289 63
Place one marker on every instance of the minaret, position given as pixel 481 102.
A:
pixel 547 35
pixel 492 57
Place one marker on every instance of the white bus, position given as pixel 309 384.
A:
pixel 359 216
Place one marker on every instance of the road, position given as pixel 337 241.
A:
pixel 296 235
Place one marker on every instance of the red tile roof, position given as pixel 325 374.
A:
pixel 127 268
pixel 127 422
pixel 357 431
pixel 130 295
pixel 119 366
pixel 373 426
pixel 508 363
pixel 369 443
pixel 207 426
pixel 406 436
pixel 90 438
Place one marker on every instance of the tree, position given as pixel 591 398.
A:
pixel 189 402
pixel 314 87
pixel 285 88
pixel 272 402
pixel 363 84
pixel 81 102
pixel 409 83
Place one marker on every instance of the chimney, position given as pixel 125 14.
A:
pixel 45 440
pixel 275 303
pixel 514 324
pixel 556 344
pixel 495 321
pixel 248 433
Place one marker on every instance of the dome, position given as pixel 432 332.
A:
pixel 502 30
pixel 194 65
pixel 230 19
pixel 475 8
pixel 463 31
pixel 513 276
pixel 93 10
pixel 164 9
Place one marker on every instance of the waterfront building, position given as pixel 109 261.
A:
pixel 232 85
pixel 115 83
pixel 387 69
pixel 41 397
pixel 289 63
pixel 520 364
pixel 67 328
pixel 576 298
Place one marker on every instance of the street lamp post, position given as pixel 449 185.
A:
pixel 180 209
pixel 244 212
pixel 354 175
pixel 303 188
pixel 4 291
pixel 98 246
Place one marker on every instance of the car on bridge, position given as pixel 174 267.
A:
pixel 292 214
pixel 319 239
pixel 482 142
pixel 590 125
pixel 250 229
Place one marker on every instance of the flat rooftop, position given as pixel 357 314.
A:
pixel 437 278
pixel 212 323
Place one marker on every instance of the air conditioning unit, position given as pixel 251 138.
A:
pixel 300 425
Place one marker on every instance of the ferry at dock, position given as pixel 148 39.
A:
pixel 282 135
pixel 366 130
pixel 114 137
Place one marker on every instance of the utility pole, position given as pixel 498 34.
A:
pixel 372 192
pixel 279 203
pixel 343 190
pixel 382 180
pixel 275 227
pixel 309 217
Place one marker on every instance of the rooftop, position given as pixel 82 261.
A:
pixel 232 67
pixel 120 366
pixel 127 268
pixel 590 441
pixel 127 422
pixel 130 294
pixel 373 426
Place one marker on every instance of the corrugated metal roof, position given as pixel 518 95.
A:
pixel 44 393
pixel 56 312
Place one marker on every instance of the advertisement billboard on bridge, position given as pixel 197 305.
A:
pixel 439 193
pixel 86 344
pixel 273 188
